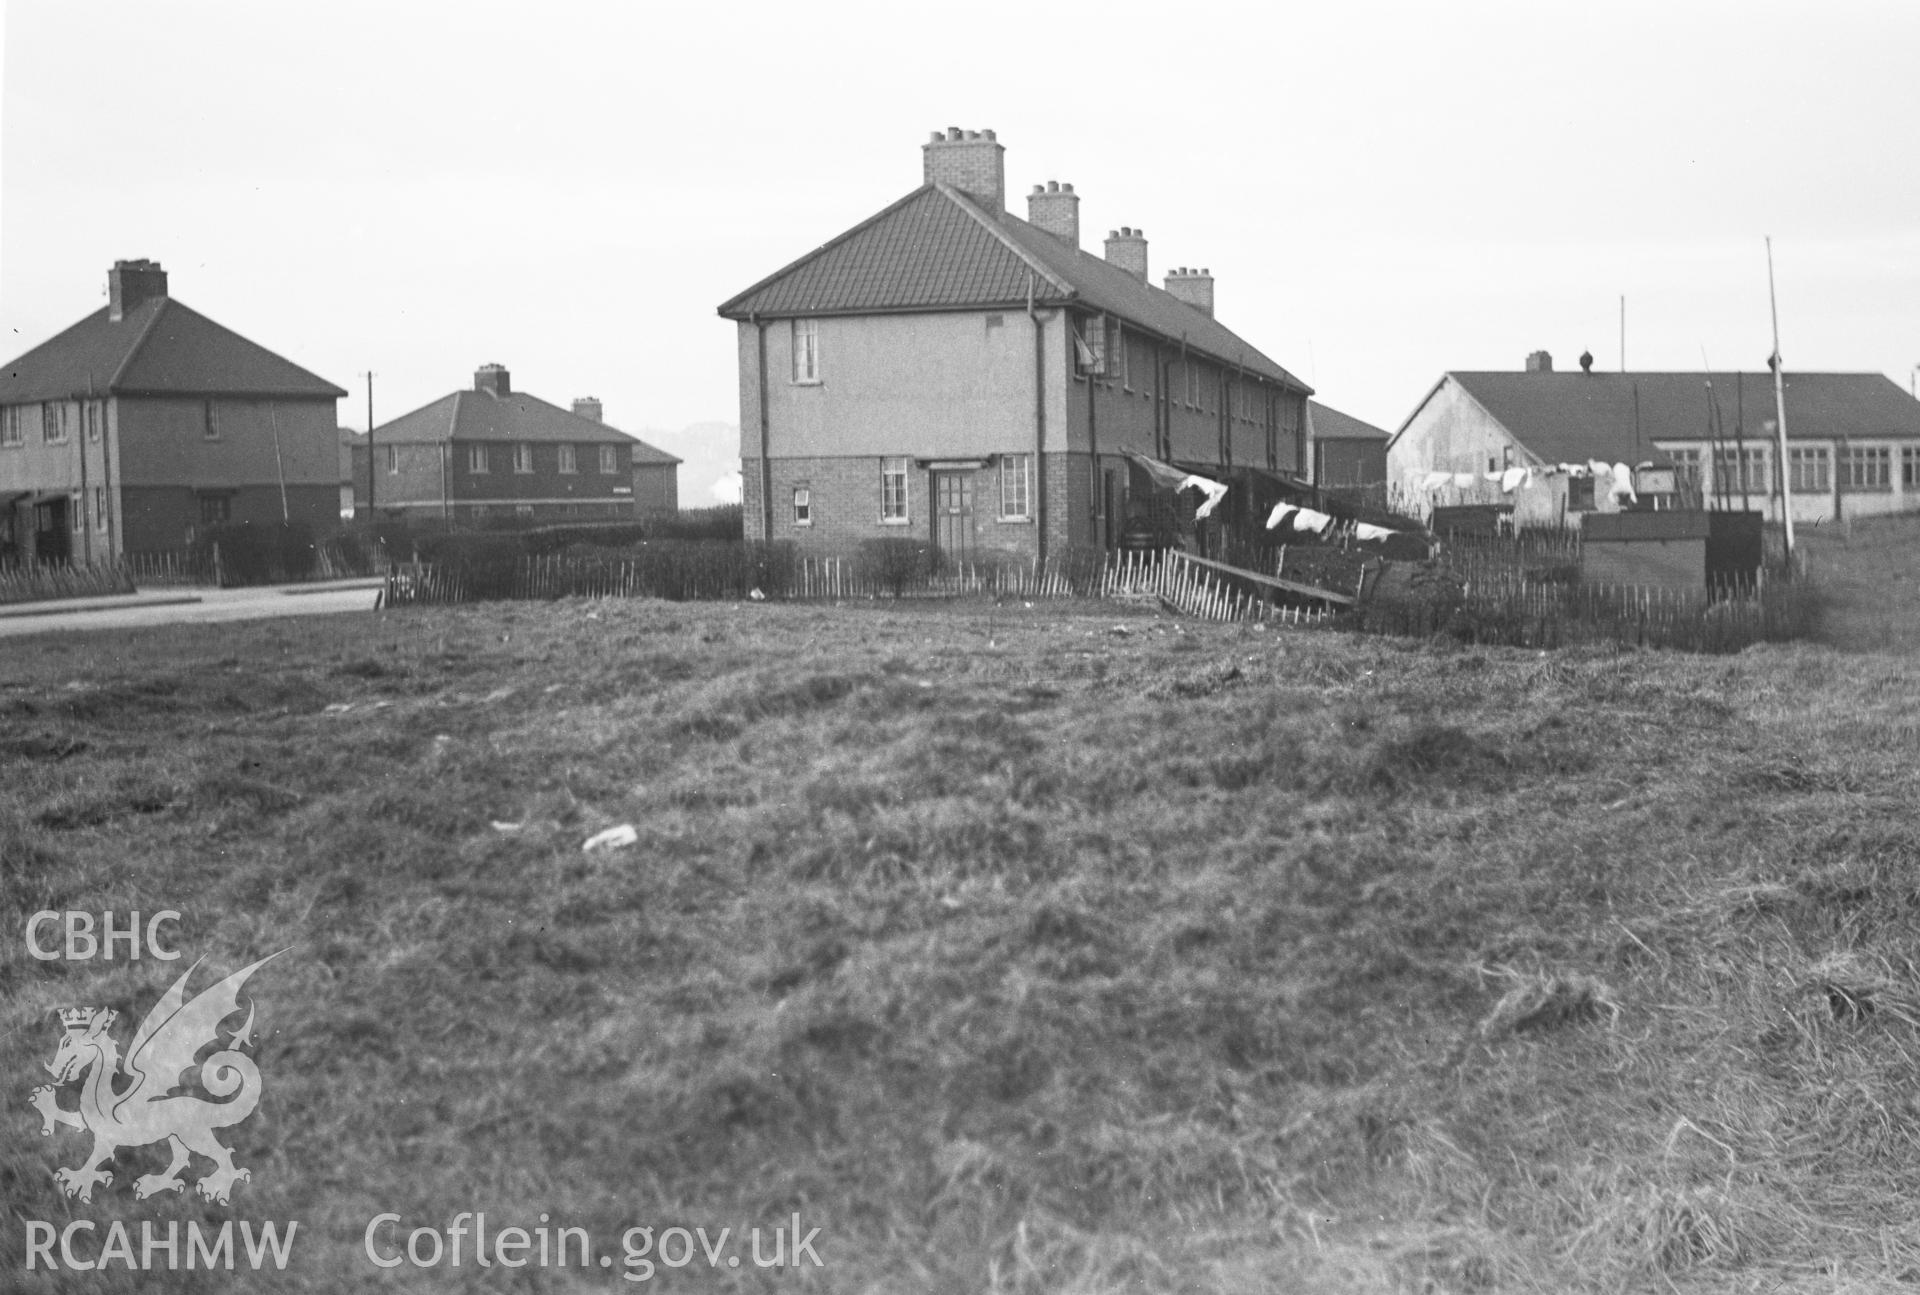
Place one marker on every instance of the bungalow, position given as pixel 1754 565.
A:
pixel 1550 447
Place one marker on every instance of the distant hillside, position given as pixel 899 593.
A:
pixel 710 471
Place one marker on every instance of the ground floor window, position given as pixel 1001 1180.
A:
pixel 1867 467
pixel 215 509
pixel 1016 487
pixel 1910 467
pixel 1809 468
pixel 100 508
pixel 802 506
pixel 893 490
pixel 1735 472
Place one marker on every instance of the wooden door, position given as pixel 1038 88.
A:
pixel 953 528
pixel 51 542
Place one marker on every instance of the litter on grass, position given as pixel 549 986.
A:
pixel 611 839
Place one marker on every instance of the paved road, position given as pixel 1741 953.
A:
pixel 175 606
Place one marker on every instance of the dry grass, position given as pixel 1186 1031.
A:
pixel 1020 949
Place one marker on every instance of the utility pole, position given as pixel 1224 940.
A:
pixel 1780 412
pixel 369 444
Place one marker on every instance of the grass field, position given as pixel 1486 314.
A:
pixel 1049 948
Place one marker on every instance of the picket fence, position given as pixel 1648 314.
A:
pixel 1169 578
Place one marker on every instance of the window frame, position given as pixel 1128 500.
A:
pixel 209 422
pixel 1748 475
pixel 1910 467
pixel 102 506
pixel 1016 471
pixel 1861 464
pixel 523 458
pixel 804 340
pixel 1581 496
pixel 12 430
pixel 393 460
pixel 478 460
pixel 803 505
pixel 215 503
pixel 53 423
pixel 1809 468
pixel 569 458
pixel 903 501
pixel 609 459
pixel 1090 357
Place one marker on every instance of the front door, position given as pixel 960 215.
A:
pixel 50 537
pixel 953 515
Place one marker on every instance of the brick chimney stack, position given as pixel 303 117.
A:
pixel 129 283
pixel 1539 362
pixel 588 407
pixel 1055 207
pixel 493 379
pixel 1195 287
pixel 1127 248
pixel 972 161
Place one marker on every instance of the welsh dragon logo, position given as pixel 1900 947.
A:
pixel 149 1109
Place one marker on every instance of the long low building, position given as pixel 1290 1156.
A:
pixel 1547 445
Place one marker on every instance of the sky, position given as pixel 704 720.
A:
pixel 1383 192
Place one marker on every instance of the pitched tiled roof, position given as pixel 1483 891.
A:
pixel 483 416
pixel 161 347
pixel 937 249
pixel 1332 425
pixel 1573 417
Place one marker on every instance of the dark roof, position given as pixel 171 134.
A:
pixel 937 249
pixel 482 416
pixel 1332 425
pixel 1573 417
pixel 161 347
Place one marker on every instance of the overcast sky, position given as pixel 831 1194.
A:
pixel 1383 191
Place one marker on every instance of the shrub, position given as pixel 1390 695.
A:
pixel 894 564
pixel 484 563
pixel 253 553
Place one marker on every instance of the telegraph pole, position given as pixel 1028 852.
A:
pixel 1780 412
pixel 369 444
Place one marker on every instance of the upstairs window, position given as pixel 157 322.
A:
pixel 609 458
pixel 94 416
pixel 522 457
pixel 10 426
pixel 1090 346
pixel 569 458
pixel 476 458
pixel 209 423
pixel 53 423
pixel 806 350
pixel 1193 384
pixel 393 460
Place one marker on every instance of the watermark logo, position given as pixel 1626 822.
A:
pixel 146 1109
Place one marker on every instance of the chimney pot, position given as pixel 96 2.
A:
pixel 1056 209
pixel 494 379
pixel 988 134
pixel 954 132
pixel 1039 188
pixel 1195 287
pixel 971 161
pixel 1540 362
pixel 588 407
pixel 1053 186
pixel 130 283
pixel 1065 187
pixel 937 137
pixel 1127 250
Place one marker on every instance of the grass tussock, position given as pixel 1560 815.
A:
pixel 1021 949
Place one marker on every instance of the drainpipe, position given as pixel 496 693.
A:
pixel 1039 428
pixel 86 527
pixel 1094 499
pixel 766 466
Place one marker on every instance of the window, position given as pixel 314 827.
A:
pixel 893 490
pixel 1747 476
pixel 1090 346
pixel 802 506
pixel 10 430
pixel 100 508
pixel 609 458
pixel 93 415
pixel 522 457
pixel 569 458
pixel 1867 467
pixel 1016 487
pixel 215 509
pixel 393 460
pixel 806 350
pixel 1193 385
pixel 1686 471
pixel 1117 348
pixel 1910 467
pixel 209 425
pixel 53 423
pixel 476 458
pixel 523 510
pixel 1809 468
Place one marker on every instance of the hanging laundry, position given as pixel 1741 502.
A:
pixel 1464 480
pixel 1512 478
pixel 1214 491
pixel 1313 520
pixel 1278 515
pixel 1368 531
pixel 1623 482
pixel 1164 475
pixel 1598 468
pixel 1434 480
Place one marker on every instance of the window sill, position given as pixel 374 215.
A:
pixel 805 382
pixel 895 521
pixel 803 526
pixel 1014 521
